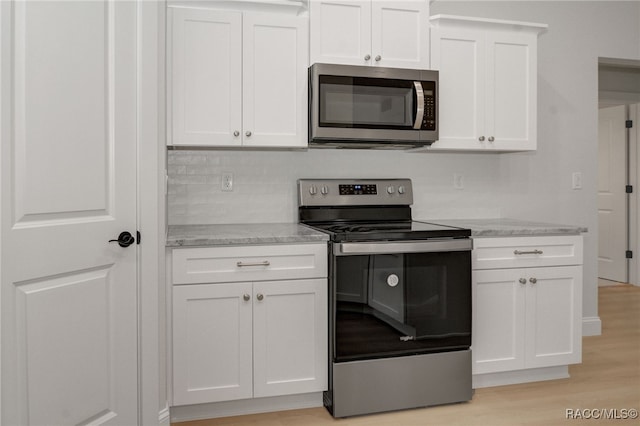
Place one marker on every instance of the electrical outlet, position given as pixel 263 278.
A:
pixel 458 181
pixel 576 180
pixel 227 181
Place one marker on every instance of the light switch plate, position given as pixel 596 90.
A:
pixel 576 180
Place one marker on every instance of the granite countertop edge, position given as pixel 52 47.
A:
pixel 291 233
pixel 505 227
pixel 241 234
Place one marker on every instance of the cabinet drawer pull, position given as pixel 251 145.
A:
pixel 246 297
pixel 243 264
pixel 260 296
pixel 518 252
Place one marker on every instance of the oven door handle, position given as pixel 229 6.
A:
pixel 399 247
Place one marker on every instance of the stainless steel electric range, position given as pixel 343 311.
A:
pixel 399 294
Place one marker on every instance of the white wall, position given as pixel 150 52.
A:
pixel 533 186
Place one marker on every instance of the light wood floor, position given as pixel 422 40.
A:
pixel 608 378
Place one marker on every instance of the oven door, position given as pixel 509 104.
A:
pixel 400 298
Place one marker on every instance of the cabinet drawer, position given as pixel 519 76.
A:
pixel 518 252
pixel 248 263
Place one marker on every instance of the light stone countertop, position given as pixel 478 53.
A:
pixel 284 233
pixel 505 227
pixel 236 234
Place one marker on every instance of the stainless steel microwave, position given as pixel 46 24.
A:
pixel 372 107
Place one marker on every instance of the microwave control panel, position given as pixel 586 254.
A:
pixel 430 107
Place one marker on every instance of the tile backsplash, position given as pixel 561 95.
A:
pixel 264 182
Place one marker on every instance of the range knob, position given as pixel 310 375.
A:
pixel 324 190
pixel 391 189
pixel 401 190
pixel 313 190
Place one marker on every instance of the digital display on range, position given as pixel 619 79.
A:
pixel 358 189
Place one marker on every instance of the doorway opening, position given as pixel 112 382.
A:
pixel 618 158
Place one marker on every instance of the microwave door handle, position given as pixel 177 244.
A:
pixel 417 86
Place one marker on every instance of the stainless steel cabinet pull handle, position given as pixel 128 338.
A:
pixel 246 297
pixel 260 296
pixel 481 138
pixel 519 252
pixel 367 57
pixel 248 133
pixel 522 280
pixel 243 264
pixel 378 57
pixel 236 133
pixel 533 280
pixel 491 139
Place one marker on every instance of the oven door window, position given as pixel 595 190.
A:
pixel 366 103
pixel 401 304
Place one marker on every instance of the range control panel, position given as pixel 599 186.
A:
pixel 353 192
pixel 358 189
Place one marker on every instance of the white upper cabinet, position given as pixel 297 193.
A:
pixel 237 78
pixel 370 32
pixel 488 83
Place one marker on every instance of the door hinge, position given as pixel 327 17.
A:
pixel 629 254
pixel 628 124
pixel 629 189
pixel 138 237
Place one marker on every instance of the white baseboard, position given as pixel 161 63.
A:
pixel 245 406
pixel 164 419
pixel 520 376
pixel 591 326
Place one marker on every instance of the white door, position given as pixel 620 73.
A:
pixel 68 127
pixel 612 223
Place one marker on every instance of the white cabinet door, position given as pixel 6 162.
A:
pixel 526 318
pixel 212 343
pixel 340 32
pixel 488 75
pixel 237 79
pixel 206 77
pixel 511 91
pixel 554 316
pixel 400 34
pixel 498 320
pixel 458 55
pixel 290 337
pixel 275 62
pixel 370 32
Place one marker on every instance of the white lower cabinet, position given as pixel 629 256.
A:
pixel 527 313
pixel 248 340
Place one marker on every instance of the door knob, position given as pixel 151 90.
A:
pixel 125 239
